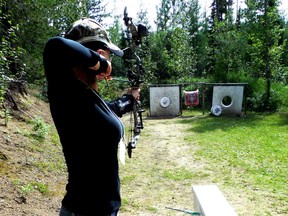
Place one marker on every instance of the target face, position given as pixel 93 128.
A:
pixel 165 102
pixel 216 110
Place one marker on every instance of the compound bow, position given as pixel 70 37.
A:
pixel 134 36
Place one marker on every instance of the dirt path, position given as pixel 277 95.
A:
pixel 158 165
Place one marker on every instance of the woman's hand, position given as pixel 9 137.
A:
pixel 135 92
pixel 105 74
pixel 102 74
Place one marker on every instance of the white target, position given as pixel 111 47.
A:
pixel 164 102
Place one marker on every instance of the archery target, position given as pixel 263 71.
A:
pixel 216 110
pixel 165 100
pixel 233 94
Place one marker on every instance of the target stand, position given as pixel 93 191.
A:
pixel 165 100
pixel 227 99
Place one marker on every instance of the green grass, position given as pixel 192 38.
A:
pixel 245 156
pixel 249 151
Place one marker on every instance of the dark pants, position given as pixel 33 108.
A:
pixel 66 212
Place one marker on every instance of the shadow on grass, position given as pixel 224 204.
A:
pixel 283 119
pixel 198 122
pixel 205 123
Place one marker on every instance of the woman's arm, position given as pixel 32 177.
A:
pixel 71 53
pixel 122 104
pixel 125 103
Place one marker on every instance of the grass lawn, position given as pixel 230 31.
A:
pixel 245 156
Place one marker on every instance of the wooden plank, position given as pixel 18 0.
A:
pixel 210 201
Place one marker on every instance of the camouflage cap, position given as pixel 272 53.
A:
pixel 88 30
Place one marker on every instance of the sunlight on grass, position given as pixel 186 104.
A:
pixel 250 151
pixel 179 174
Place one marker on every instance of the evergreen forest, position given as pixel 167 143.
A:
pixel 226 44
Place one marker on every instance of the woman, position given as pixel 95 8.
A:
pixel 88 127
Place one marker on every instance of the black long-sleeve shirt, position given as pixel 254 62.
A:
pixel 88 128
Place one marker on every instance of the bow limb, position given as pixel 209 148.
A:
pixel 136 126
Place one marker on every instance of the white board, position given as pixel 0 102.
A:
pixel 165 100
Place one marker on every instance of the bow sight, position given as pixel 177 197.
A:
pixel 137 32
pixel 134 36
